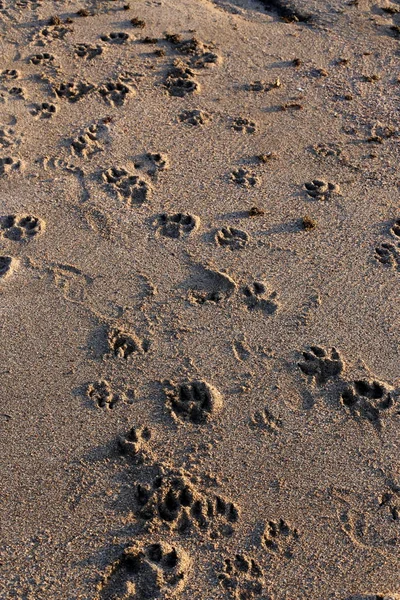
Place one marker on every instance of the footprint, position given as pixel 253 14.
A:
pixel 388 253
pixel 196 401
pixel 371 400
pixel 8 137
pixel 177 225
pixel 135 444
pixel 181 80
pixel 114 93
pixel 232 238
pixel 128 187
pixel 9 74
pixel 194 117
pixel 43 110
pixel 327 150
pixel 243 125
pixel 17 92
pixel 242 577
pixel 7 265
pixel 101 395
pixel 280 538
pixel 89 143
pixel 9 165
pixel 88 51
pixel 390 501
pixel 263 86
pixel 73 91
pixel 123 344
pixel 146 570
pixel 174 501
pixel 51 33
pixel 201 54
pixel 321 190
pixel 43 58
pixel 244 177
pixel 321 365
pixel 116 37
pixel 20 227
pixel 210 286
pixel 264 419
pixel 257 298
pixel 159 162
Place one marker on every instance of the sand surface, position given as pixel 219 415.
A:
pixel 199 299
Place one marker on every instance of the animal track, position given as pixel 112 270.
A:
pixel 388 253
pixel 44 110
pixel 8 137
pixel 244 177
pixel 390 501
pixel 279 538
pixel 256 298
pixel 263 86
pixel 9 74
pixel 101 394
pixel 51 33
pixel 159 162
pixel 196 401
pixel 232 238
pixel 177 225
pixel 321 365
pixel 174 501
pixel 116 37
pixel 371 400
pixel 211 286
pixel 73 91
pixel 134 444
pixel 264 419
pixel 194 117
pixel 20 227
pixel 201 55
pixel 181 80
pixel 127 187
pixel 243 125
pixel 123 344
pixel 154 570
pixel 88 51
pixel 326 150
pixel 242 577
pixel 42 58
pixel 6 266
pixel 321 190
pixel 114 93
pixel 9 164
pixel 88 143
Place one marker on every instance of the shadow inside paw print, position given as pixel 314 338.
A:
pixel 320 189
pixel 196 401
pixel 321 365
pixel 177 225
pixel 388 253
pixel 280 538
pixel 257 298
pixel 242 577
pixel 231 238
pixel 371 400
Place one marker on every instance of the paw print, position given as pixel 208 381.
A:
pixel 320 189
pixel 243 125
pixel 116 37
pixel 242 577
pixel 195 401
pixel 20 227
pixel 244 177
pixel 44 110
pixel 320 365
pixel 134 444
pixel 8 164
pixel 257 298
pixel 123 344
pixel 177 225
pixel 280 538
pixel 232 238
pixel 6 266
pixel 88 51
pixel 371 400
pixel 388 253
pixel 114 93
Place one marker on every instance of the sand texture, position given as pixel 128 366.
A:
pixel 199 299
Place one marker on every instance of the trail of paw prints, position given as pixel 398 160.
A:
pixel 195 401
pixel 242 577
pixel 280 539
pixel 21 227
pixel 388 253
pixel 173 501
pixel 146 569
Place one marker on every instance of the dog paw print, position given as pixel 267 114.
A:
pixel 9 74
pixel 174 501
pixel 181 81
pixel 116 37
pixel 6 266
pixel 280 538
pixel 122 344
pixel 44 110
pixel 20 227
pixel 321 365
pixel 88 51
pixel 128 187
pixel 243 125
pixel 209 285
pixel 257 298
pixel 371 400
pixel 231 238
pixel 244 177
pixel 321 190
pixel 242 577
pixel 265 420
pixel 9 164
pixel 388 253
pixel 42 58
pixel 146 570
pixel 134 444
pixel 89 142
pixel 390 501
pixel 17 92
pixel 194 117
pixel 178 225
pixel 196 401
pixel 73 91
pixel 102 395
pixel 114 93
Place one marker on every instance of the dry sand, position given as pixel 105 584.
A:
pixel 199 275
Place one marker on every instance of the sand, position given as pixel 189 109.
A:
pixel 199 275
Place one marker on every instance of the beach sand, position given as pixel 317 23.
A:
pixel 199 299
